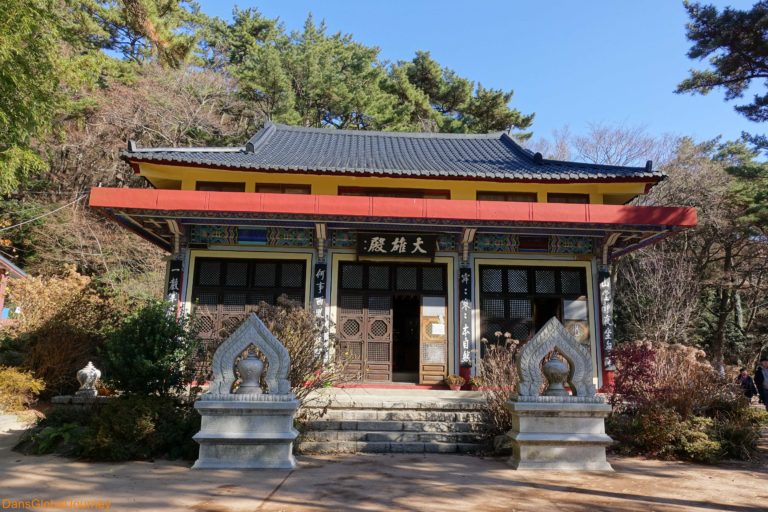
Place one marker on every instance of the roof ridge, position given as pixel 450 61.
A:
pixel 599 166
pixel 199 149
pixel 375 133
pixel 259 138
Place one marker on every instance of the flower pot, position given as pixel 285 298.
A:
pixel 455 387
pixel 466 373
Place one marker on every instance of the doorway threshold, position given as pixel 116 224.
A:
pixel 391 385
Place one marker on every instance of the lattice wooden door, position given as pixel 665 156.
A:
pixel 351 329
pixel 365 335
pixel 378 345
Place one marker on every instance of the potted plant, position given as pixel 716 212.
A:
pixel 476 383
pixel 454 382
pixel 465 370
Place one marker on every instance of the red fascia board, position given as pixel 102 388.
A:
pixel 353 206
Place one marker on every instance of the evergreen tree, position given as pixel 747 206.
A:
pixel 736 44
pixel 315 79
pixel 29 79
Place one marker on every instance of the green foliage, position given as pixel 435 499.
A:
pixel 18 389
pixel 658 431
pixel 312 78
pixel 736 44
pixel 669 404
pixel 152 352
pixel 126 428
pixel 29 67
pixel 142 30
pixel 63 438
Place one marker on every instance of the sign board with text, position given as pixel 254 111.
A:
pixel 396 244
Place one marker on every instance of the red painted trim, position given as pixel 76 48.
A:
pixel 435 209
pixel 170 163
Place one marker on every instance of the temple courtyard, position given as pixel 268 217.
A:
pixel 412 482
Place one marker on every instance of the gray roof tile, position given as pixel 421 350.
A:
pixel 323 150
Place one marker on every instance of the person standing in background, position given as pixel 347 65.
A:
pixel 747 384
pixel 761 381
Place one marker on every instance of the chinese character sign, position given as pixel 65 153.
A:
pixel 318 291
pixel 606 314
pixel 396 244
pixel 173 288
pixel 465 314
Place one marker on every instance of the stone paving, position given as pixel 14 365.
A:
pixel 409 482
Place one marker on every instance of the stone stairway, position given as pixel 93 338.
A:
pixel 396 421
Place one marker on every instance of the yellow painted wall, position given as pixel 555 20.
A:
pixel 599 193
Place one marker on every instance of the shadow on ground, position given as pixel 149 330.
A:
pixel 416 482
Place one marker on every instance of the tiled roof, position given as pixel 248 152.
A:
pixel 423 155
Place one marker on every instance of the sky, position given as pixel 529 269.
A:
pixel 614 62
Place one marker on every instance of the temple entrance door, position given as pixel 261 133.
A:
pixel 366 336
pixel 405 345
pixel 433 364
pixel 378 347
pixel 391 317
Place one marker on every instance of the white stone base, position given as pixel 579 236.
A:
pixel 246 435
pixel 559 436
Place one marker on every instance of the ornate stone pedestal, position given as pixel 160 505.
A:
pixel 248 428
pixel 556 430
pixel 246 434
pixel 551 435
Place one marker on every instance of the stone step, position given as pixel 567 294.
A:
pixel 339 414
pixel 387 447
pixel 390 437
pixel 406 426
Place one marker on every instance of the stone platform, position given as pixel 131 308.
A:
pixel 246 435
pixel 557 436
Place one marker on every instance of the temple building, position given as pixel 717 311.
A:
pixel 414 246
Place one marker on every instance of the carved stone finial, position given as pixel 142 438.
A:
pixel 87 378
pixel 579 376
pixel 252 332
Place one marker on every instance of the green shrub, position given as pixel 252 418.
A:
pixel 125 428
pixel 656 413
pixel 151 353
pixel 739 432
pixel 18 389
pixel 64 439
pixel 697 442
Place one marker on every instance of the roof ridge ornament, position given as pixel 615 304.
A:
pixel 649 166
pixel 538 158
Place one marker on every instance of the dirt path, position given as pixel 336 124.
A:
pixel 383 482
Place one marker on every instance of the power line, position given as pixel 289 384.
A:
pixel 43 215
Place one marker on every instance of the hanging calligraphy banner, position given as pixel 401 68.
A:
pixel 606 314
pixel 396 244
pixel 465 316
pixel 319 283
pixel 173 288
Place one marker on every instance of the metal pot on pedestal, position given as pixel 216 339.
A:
pixel 556 372
pixel 250 369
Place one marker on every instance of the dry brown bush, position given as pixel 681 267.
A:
pixel 499 376
pixel 61 326
pixel 18 389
